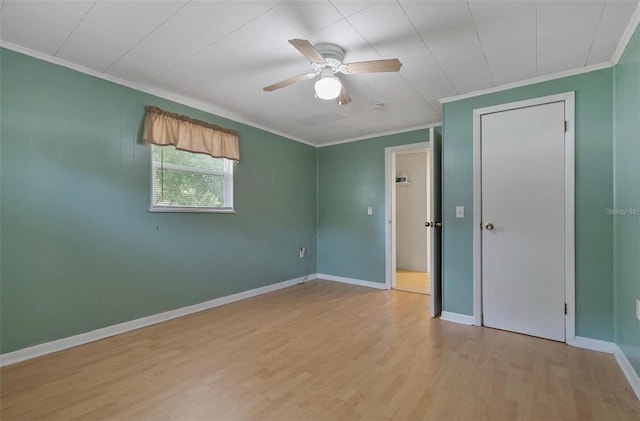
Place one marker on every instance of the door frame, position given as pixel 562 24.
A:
pixel 569 202
pixel 390 203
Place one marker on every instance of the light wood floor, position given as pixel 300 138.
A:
pixel 325 351
pixel 407 280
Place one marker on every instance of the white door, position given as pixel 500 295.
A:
pixel 435 213
pixel 523 244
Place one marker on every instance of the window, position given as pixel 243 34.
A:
pixel 190 182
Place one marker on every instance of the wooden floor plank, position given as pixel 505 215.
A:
pixel 411 281
pixel 321 350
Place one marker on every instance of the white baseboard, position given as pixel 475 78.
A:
pixel 457 318
pixel 352 281
pixel 94 335
pixel 627 369
pixel 592 344
pixel 610 348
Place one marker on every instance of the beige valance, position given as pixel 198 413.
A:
pixel 164 128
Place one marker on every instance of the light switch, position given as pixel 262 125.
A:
pixel 369 210
pixel 459 211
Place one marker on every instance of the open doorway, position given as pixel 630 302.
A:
pixel 415 257
pixel 412 211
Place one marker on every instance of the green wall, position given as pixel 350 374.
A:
pixel 79 249
pixel 594 178
pixel 627 196
pixel 350 179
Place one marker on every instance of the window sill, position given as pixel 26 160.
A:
pixel 176 209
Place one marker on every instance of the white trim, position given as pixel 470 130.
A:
pixel 389 217
pixel 532 81
pixel 570 214
pixel 105 332
pixel 627 369
pixel 462 319
pixel 182 209
pixel 190 102
pixel 412 151
pixel 372 136
pixel 592 344
pixel 352 281
pixel 390 204
pixel 610 348
pixel 627 35
pixel 569 188
pixel 477 220
pixel 409 147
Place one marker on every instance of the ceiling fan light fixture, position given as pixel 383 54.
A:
pixel 327 60
pixel 328 87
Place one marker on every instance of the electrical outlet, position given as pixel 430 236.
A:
pixel 370 210
pixel 303 251
pixel 638 309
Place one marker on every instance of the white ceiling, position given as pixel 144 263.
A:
pixel 223 52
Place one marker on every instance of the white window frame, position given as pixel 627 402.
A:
pixel 227 174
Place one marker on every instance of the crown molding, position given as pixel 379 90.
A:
pixel 213 109
pixel 627 35
pixel 371 136
pixel 630 30
pixel 532 81
pixel 161 93
pixel 188 101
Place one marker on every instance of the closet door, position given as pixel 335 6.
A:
pixel 523 217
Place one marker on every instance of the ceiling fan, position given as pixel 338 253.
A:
pixel 326 61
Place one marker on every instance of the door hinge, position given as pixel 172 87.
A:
pixel 565 308
pixel 566 126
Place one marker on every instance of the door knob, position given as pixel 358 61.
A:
pixel 427 224
pixel 489 226
pixel 437 224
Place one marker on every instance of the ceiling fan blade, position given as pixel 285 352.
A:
pixel 391 65
pixel 306 48
pixel 289 81
pixel 344 98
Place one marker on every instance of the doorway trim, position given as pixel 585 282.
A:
pixel 389 202
pixel 569 202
